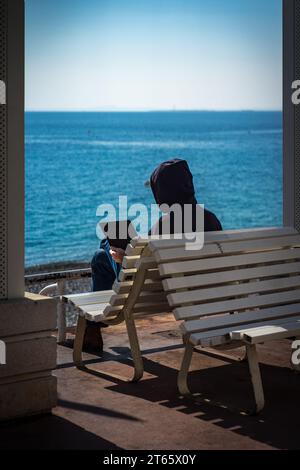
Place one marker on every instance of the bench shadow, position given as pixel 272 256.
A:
pixel 226 389
pixel 49 432
pixel 95 410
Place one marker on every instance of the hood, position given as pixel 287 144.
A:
pixel 172 183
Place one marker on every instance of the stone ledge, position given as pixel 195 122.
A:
pixel 21 316
pixel 26 356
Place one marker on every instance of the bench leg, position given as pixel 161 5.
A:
pixel 135 349
pixel 134 344
pixel 255 377
pixel 184 370
pixel 253 367
pixel 78 342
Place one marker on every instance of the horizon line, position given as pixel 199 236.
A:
pixel 152 110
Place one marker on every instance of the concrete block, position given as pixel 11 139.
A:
pixel 27 356
pixel 26 384
pixel 27 398
pixel 21 316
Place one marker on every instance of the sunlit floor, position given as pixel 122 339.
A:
pixel 98 412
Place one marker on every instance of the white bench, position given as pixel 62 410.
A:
pixel 238 282
pixel 138 292
pixel 248 293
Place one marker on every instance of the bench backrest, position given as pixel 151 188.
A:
pixel 253 274
pixel 158 276
pixel 150 297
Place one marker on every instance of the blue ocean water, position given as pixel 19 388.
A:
pixel 76 161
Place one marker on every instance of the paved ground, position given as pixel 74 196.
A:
pixel 97 412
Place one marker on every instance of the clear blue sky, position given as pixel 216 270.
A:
pixel 153 54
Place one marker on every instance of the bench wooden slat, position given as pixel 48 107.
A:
pixel 110 311
pixel 269 332
pixel 139 308
pixel 125 287
pixel 95 312
pixel 225 236
pixel 150 297
pixel 97 307
pixel 249 234
pixel 128 274
pixel 89 298
pixel 225 292
pixel 216 337
pixel 240 304
pixel 223 262
pixel 100 312
pixel 227 320
pixel 182 253
pixel 139 242
pixel 94 309
pixel 134 250
pixel 129 262
pixel 261 244
pixel 233 275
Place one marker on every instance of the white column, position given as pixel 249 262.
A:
pixel 27 385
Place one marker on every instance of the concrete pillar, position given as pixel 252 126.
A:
pixel 291 68
pixel 12 149
pixel 28 348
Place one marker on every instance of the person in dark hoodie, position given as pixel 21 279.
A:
pixel 171 183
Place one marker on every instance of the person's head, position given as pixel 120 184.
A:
pixel 172 183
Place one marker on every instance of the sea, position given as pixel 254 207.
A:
pixel 80 160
